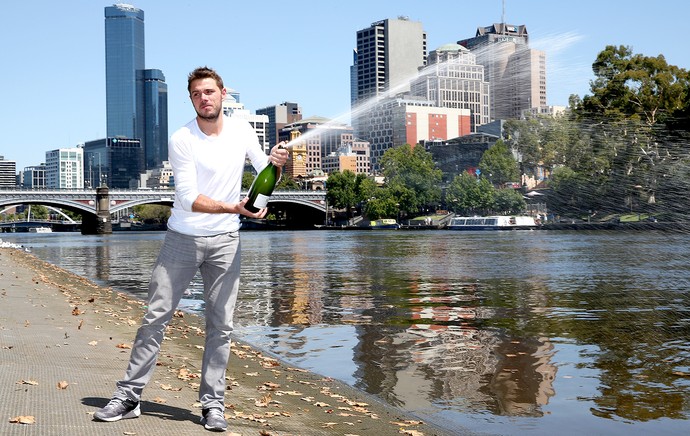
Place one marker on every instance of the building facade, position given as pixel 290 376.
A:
pixel 279 116
pixel 136 98
pixel 34 177
pixel 64 168
pixel 453 79
pixel 8 173
pixel 114 162
pixel 318 137
pixel 393 122
pixel 388 55
pixel 155 118
pixel 517 73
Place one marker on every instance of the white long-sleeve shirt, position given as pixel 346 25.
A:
pixel 213 166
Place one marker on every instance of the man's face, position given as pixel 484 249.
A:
pixel 207 98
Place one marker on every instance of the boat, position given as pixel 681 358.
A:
pixel 385 223
pixel 40 230
pixel 498 222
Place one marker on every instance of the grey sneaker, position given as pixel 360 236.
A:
pixel 214 419
pixel 118 409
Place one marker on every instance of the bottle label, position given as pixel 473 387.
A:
pixel 261 201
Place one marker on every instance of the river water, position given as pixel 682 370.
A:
pixel 524 332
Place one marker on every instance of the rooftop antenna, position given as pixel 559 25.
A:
pixel 503 15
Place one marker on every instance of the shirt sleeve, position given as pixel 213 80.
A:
pixel 256 154
pixel 182 161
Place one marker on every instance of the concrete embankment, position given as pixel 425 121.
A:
pixel 65 341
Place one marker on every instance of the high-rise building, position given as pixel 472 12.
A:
pixel 453 79
pixel 155 118
pixel 278 117
pixel 124 64
pixel 64 168
pixel 515 72
pixel 388 55
pixel 136 98
pixel 8 173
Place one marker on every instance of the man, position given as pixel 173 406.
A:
pixel 207 156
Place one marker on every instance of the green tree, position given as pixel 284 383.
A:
pixel 412 171
pixel 509 201
pixel 498 164
pixel 152 213
pixel 341 190
pixel 469 195
pixel 247 179
pixel 38 211
pixel 384 204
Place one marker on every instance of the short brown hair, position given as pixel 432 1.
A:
pixel 203 73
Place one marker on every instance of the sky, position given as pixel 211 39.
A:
pixel 53 52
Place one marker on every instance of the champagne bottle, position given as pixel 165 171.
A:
pixel 262 188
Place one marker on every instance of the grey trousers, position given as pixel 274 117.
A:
pixel 181 256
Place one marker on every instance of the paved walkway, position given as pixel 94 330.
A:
pixel 65 341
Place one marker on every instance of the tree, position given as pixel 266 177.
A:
pixel 341 190
pixel 152 213
pixel 247 179
pixel 383 205
pixel 509 201
pixel 636 97
pixel 412 171
pixel 499 165
pixel 469 195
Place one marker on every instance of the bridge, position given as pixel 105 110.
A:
pixel 96 205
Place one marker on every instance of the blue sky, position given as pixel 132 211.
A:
pixel 53 53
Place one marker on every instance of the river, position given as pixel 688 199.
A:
pixel 523 332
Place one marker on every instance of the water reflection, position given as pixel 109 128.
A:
pixel 497 332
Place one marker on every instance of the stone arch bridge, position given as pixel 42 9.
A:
pixel 97 205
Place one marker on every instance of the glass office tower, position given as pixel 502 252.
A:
pixel 136 98
pixel 124 63
pixel 155 118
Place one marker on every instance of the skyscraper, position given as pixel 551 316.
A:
pixel 389 52
pixel 516 73
pixel 136 98
pixel 155 139
pixel 124 64
pixel 453 79
pixel 388 56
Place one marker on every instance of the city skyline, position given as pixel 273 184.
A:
pixel 300 55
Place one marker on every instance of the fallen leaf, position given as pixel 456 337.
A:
pixel 62 384
pixel 27 382
pixel 94 343
pixel 159 400
pixel 23 420
pixel 124 346
pixel 76 311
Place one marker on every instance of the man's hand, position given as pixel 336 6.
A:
pixel 242 211
pixel 279 155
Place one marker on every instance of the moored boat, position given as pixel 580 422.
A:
pixel 40 230
pixel 498 222
pixel 385 223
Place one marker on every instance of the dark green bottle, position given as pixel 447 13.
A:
pixel 262 188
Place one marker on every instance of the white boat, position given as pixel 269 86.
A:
pixel 40 230
pixel 498 222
